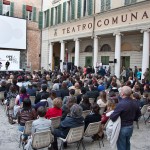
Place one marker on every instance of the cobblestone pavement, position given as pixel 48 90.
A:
pixel 9 137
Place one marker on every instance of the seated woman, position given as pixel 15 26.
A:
pixel 144 100
pixel 74 119
pixel 102 102
pixel 85 103
pixel 56 110
pixel 26 113
pixel 19 99
pixel 94 116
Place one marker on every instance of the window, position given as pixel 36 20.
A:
pixel 105 60
pixel 105 5
pixel 88 49
pixel 105 48
pixel 69 11
pixel 29 12
pixel 56 15
pixel 46 18
pixel 128 2
pixel 6 8
pixel 88 61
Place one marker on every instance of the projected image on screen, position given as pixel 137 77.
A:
pixel 12 33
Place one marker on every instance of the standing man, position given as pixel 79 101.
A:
pixel 7 64
pixel 135 71
pixel 129 111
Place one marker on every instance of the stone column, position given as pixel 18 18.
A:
pixel 77 52
pixel 95 57
pixel 145 57
pixel 51 55
pixel 117 53
pixel 62 54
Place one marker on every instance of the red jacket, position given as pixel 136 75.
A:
pixel 53 112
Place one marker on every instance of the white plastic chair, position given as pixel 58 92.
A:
pixel 27 131
pixel 55 122
pixel 143 111
pixel 92 129
pixel 75 135
pixel 85 113
pixel 2 97
pixel 10 108
pixel 32 98
pixel 42 139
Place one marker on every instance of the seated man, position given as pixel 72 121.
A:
pixel 39 124
pixel 74 119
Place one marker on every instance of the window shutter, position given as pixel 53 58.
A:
pixel 72 9
pixel 1 7
pixel 79 8
pixel 11 9
pixel 102 5
pixel 47 18
pixel 127 2
pixel 90 7
pixel 133 1
pixel 40 20
pixel 52 15
pixel 64 11
pixel 24 11
pixel 59 13
pixel 107 4
pixel 34 13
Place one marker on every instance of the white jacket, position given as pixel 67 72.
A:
pixel 112 132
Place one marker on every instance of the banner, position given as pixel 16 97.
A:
pixel 12 56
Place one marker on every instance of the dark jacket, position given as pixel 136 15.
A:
pixel 67 123
pixel 39 96
pixel 128 110
pixel 64 92
pixel 85 106
pixel 92 118
pixel 93 94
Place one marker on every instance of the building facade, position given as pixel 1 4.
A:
pixel 28 10
pixel 90 32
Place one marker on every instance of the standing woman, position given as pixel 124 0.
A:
pixel 123 74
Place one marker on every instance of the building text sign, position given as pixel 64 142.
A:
pixel 110 20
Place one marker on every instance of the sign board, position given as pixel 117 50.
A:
pixel 13 57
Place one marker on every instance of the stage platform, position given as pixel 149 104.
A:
pixel 11 71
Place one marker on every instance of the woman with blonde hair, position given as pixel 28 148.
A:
pixel 56 111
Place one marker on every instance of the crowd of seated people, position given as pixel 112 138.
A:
pixel 66 95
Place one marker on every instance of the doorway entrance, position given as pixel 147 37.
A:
pixel 125 61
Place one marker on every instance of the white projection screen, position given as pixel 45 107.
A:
pixel 12 33
pixel 13 57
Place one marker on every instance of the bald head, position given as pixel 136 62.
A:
pixel 126 91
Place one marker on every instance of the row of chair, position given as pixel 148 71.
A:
pixel 76 135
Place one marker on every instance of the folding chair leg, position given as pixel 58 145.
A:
pixel 20 141
pixel 103 143
pixel 137 123
pixel 78 145
pixel 61 146
pixel 83 146
pixel 99 144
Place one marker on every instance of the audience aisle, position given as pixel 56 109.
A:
pixel 9 137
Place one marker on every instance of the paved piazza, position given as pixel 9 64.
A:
pixel 9 137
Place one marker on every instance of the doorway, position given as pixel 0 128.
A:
pixel 125 61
